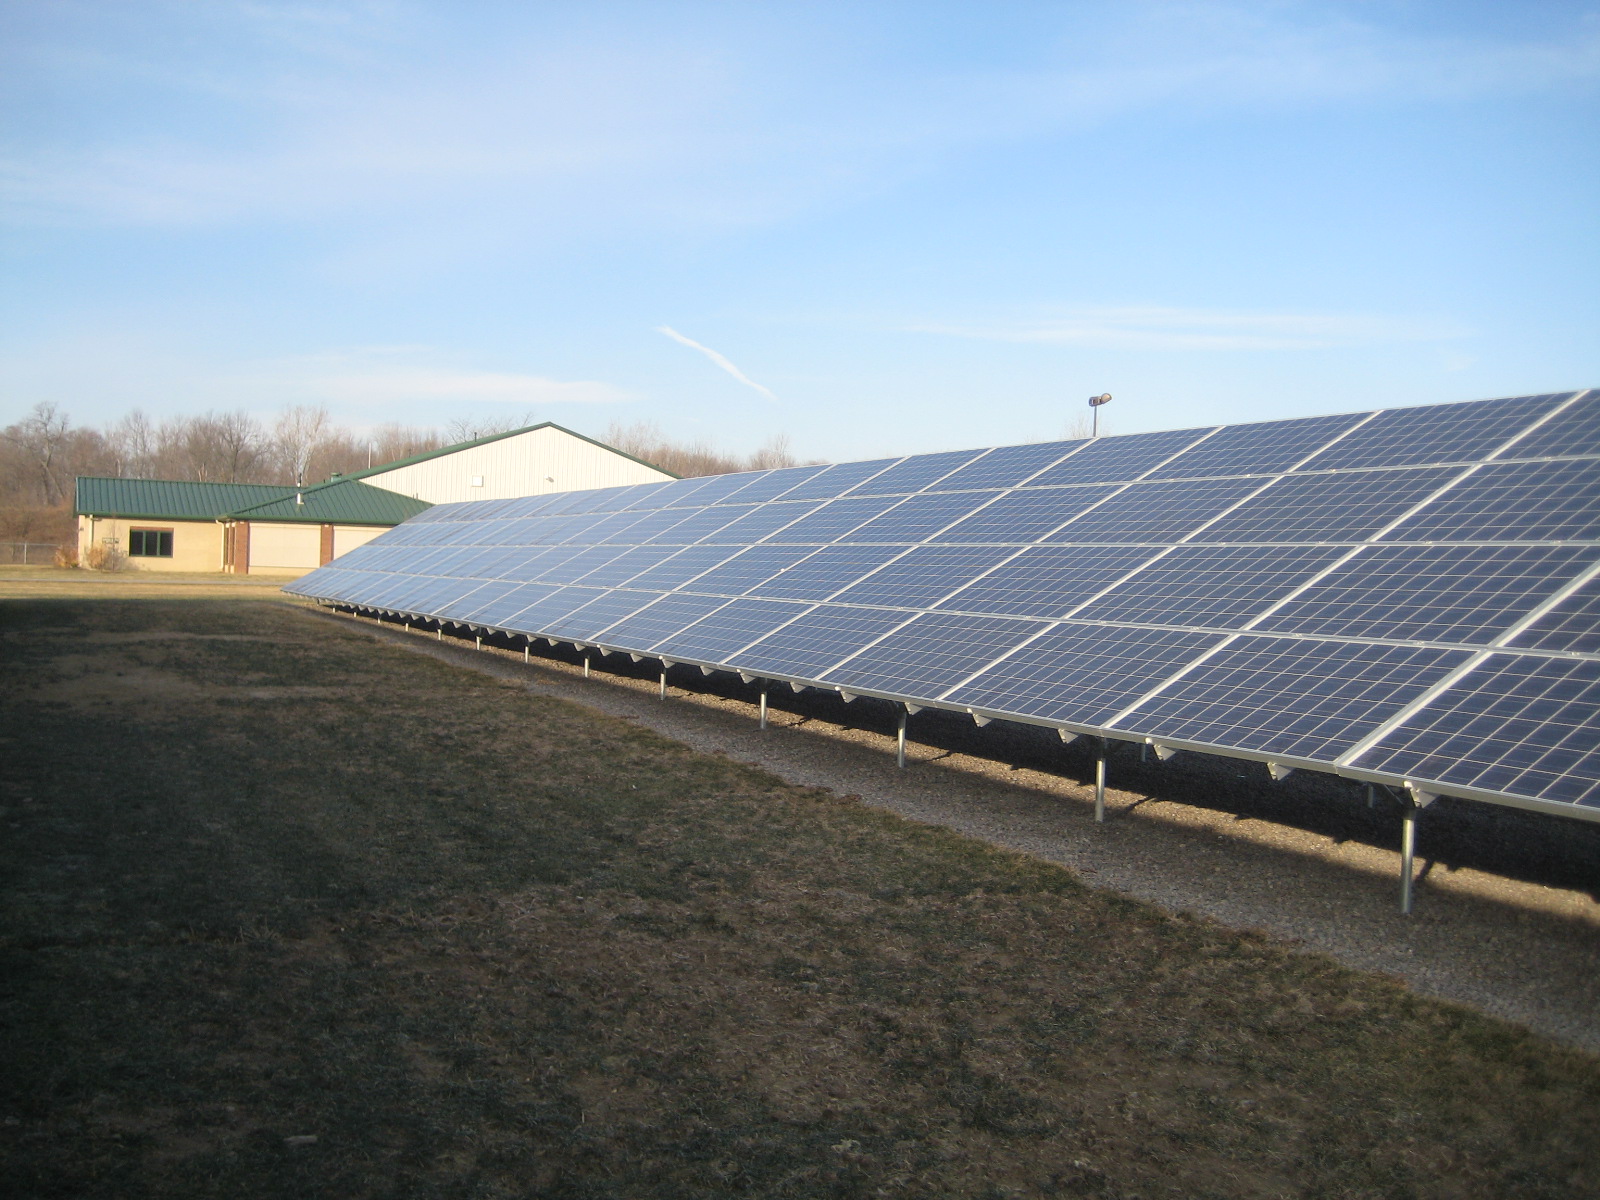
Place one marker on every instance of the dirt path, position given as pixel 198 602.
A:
pixel 1524 949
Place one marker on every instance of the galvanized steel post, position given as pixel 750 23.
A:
pixel 1100 782
pixel 900 755
pixel 1408 851
pixel 763 704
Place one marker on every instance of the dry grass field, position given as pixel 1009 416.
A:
pixel 288 912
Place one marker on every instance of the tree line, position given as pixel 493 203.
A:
pixel 43 453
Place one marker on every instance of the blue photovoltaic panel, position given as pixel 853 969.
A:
pixel 773 484
pixel 1268 448
pixel 924 576
pixel 509 604
pixel 914 474
pixel 1118 460
pixel 1081 674
pixel 697 524
pixel 717 637
pixel 604 611
pixel 1006 467
pixel 1470 594
pixel 658 621
pixel 919 517
pixel 622 568
pixel 837 480
pixel 1156 512
pixel 1216 587
pixel 1026 515
pixel 1145 551
pixel 1574 430
pixel 761 523
pixel 1572 626
pixel 1437 433
pixel 682 567
pixel 1527 501
pixel 1049 581
pixel 829 570
pixel 835 519
pixel 815 641
pixel 1344 507
pixel 749 569
pixel 932 654
pixel 1517 725
pixel 541 616
pixel 1292 697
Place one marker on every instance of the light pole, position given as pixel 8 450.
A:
pixel 1094 407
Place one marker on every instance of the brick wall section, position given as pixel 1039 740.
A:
pixel 327 544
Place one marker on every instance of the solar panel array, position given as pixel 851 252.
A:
pixel 1407 595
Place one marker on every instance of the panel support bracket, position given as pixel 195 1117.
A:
pixel 1279 772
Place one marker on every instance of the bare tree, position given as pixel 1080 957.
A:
pixel 297 433
pixel 41 437
pixel 133 441
pixel 392 442
pixel 645 440
pixel 471 428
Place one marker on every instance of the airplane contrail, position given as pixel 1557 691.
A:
pixel 718 359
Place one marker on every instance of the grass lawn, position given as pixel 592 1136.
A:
pixel 290 913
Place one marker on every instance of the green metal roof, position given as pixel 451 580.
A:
pixel 495 437
pixel 340 502
pixel 170 499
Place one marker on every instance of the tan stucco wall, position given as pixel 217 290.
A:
pixel 196 545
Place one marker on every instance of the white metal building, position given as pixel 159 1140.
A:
pixel 524 462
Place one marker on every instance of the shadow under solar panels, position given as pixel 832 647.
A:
pixel 1291 697
pixel 1081 674
pixel 932 654
pixel 1523 725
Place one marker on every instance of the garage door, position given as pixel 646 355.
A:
pixel 348 537
pixel 285 547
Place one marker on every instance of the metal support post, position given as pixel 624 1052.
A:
pixel 586 664
pixel 525 650
pixel 1100 783
pixel 763 704
pixel 663 681
pixel 1372 796
pixel 480 643
pixel 439 634
pixel 900 755
pixel 1408 851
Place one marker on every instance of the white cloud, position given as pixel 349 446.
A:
pixel 1156 328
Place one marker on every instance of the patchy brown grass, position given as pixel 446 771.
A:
pixel 267 881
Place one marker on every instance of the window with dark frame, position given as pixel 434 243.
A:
pixel 149 543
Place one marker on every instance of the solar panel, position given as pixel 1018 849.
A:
pixel 1406 595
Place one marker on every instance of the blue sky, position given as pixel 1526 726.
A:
pixel 907 227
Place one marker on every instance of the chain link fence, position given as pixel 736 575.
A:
pixel 28 554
